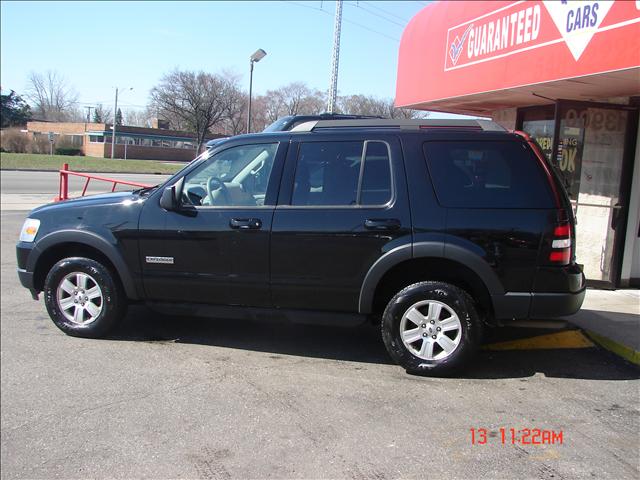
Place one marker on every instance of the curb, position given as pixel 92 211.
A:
pixel 628 353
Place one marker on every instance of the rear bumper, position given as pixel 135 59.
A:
pixel 566 288
pixel 552 305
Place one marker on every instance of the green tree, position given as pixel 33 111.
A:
pixel 119 117
pixel 15 111
pixel 101 114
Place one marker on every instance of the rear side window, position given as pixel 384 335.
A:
pixel 487 175
pixel 342 174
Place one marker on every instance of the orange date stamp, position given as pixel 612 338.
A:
pixel 515 436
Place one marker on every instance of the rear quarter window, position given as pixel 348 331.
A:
pixel 487 174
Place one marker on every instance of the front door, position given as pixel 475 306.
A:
pixel 215 249
pixel 343 203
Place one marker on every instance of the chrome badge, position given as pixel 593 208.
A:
pixel 166 260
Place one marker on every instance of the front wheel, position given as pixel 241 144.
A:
pixel 83 297
pixel 431 328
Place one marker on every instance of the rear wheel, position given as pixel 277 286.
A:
pixel 83 297
pixel 431 328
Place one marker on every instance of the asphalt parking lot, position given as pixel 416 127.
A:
pixel 193 398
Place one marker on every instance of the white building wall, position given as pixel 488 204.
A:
pixel 631 255
pixel 506 117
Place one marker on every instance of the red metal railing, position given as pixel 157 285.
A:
pixel 63 190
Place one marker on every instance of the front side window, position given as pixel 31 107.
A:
pixel 342 174
pixel 237 176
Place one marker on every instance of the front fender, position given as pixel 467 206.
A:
pixel 91 239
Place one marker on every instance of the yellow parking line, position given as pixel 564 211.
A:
pixel 566 339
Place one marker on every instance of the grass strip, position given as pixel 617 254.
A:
pixel 34 161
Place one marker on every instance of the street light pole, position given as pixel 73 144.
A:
pixel 113 133
pixel 250 87
pixel 115 116
pixel 256 57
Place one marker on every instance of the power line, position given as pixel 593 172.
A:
pixel 345 19
pixel 372 5
pixel 372 30
pixel 375 14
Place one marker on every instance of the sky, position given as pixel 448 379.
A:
pixel 98 46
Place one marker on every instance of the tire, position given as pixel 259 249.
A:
pixel 83 297
pixel 440 306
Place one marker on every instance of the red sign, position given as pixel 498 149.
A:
pixel 452 49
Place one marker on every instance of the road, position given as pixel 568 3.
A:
pixel 26 190
pixel 191 398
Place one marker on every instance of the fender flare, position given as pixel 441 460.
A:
pixel 441 250
pixel 90 239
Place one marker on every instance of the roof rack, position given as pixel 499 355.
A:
pixel 403 124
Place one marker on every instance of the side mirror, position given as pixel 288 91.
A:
pixel 168 200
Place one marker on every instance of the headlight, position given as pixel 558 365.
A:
pixel 29 230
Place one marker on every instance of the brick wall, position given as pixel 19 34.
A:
pixel 133 151
pixel 151 153
pixel 95 149
pixel 64 128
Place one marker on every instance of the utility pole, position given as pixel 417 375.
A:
pixel 333 82
pixel 113 133
pixel 115 115
pixel 89 114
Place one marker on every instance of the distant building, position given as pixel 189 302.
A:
pixel 94 140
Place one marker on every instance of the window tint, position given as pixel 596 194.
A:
pixel 331 173
pixel 487 175
pixel 376 178
pixel 237 176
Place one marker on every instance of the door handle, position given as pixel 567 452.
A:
pixel 616 212
pixel 245 223
pixel 382 224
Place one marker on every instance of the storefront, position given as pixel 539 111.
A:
pixel 567 73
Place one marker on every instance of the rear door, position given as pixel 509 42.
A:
pixel 343 203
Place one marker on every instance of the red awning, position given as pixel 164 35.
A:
pixel 477 57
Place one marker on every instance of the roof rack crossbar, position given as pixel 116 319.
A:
pixel 403 124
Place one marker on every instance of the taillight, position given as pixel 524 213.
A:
pixel 561 245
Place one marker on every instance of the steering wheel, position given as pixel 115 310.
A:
pixel 214 184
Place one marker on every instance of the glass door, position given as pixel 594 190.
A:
pixel 590 158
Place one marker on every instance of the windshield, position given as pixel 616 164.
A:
pixel 279 125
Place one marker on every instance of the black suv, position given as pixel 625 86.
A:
pixel 431 228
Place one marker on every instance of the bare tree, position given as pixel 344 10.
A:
pixel 138 118
pixel 295 98
pixel 197 101
pixel 235 121
pixel 50 96
pixel 369 105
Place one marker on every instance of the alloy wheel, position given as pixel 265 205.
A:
pixel 430 330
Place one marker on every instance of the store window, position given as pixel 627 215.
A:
pixel 538 122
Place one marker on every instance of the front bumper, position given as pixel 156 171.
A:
pixel 26 279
